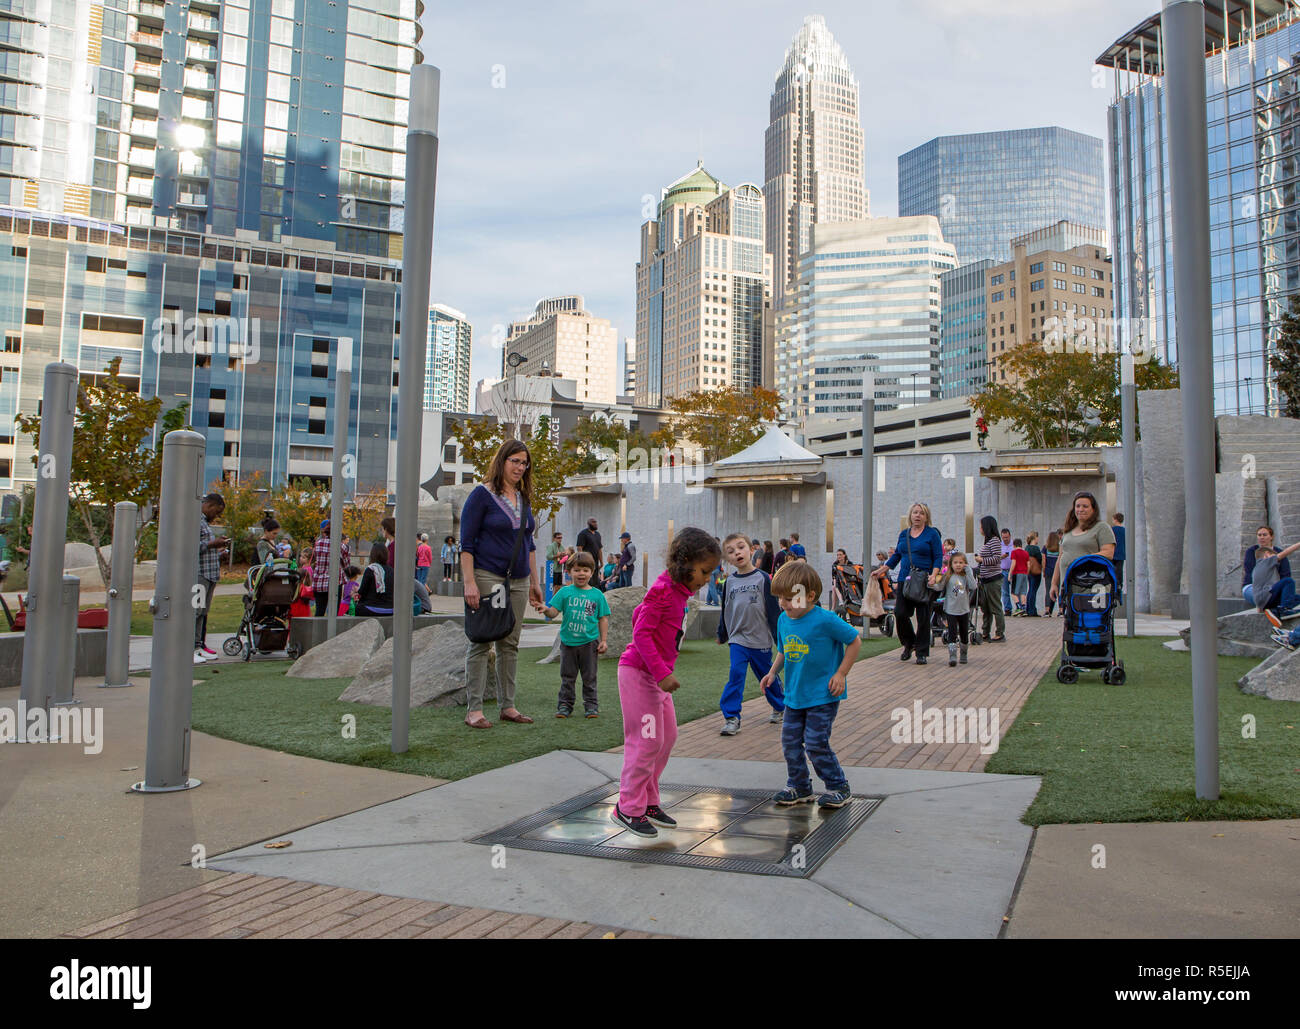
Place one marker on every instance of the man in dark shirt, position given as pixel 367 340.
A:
pixel 589 540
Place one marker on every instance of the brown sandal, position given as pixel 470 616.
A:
pixel 516 717
pixel 479 723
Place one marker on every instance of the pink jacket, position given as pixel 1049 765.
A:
pixel 655 624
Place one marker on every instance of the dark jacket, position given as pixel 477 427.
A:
pixel 369 597
pixel 927 552
pixel 770 602
pixel 486 532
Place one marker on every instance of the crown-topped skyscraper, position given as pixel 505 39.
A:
pixel 812 149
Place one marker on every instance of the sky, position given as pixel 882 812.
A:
pixel 559 121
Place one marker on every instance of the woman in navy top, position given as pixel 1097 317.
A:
pixel 926 546
pixel 489 526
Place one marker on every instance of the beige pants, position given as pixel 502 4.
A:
pixel 476 658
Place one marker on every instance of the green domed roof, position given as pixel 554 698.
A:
pixel 696 187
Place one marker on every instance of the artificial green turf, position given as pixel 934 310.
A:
pixel 256 703
pixel 1125 753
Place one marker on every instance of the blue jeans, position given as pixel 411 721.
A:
pixel 742 660
pixel 422 575
pixel 625 577
pixel 1031 605
pixel 807 730
pixel 1006 592
pixel 1280 598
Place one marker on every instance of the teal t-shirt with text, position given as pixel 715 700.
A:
pixel 582 611
pixel 813 647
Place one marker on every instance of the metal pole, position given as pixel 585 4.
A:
pixel 65 668
pixel 868 480
pixel 176 597
pixel 417 256
pixel 42 640
pixel 1128 407
pixel 120 588
pixel 1183 28
pixel 342 412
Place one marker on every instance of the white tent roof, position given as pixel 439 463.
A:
pixel 773 446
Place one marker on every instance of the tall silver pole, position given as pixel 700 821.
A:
pixel 65 666
pixel 417 256
pixel 121 586
pixel 1183 28
pixel 342 410
pixel 1127 408
pixel 42 641
pixel 868 479
pixel 177 596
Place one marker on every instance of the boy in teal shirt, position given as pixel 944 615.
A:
pixel 583 630
pixel 816 648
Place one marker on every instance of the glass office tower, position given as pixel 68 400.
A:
pixel 989 186
pixel 963 345
pixel 1252 89
pixel 213 193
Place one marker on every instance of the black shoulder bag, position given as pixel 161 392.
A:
pixel 494 619
pixel 915 589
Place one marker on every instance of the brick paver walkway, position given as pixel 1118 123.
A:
pixel 999 675
pixel 257 907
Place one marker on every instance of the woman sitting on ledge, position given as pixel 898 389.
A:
pixel 376 594
pixel 1266 575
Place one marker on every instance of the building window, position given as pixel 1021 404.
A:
pixel 1036 285
pixel 1036 268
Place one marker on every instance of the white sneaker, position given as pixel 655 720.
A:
pixel 199 659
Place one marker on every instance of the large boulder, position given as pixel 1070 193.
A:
pixel 342 657
pixel 1241 634
pixel 1277 678
pixel 82 555
pixel 437 671
pixel 621 603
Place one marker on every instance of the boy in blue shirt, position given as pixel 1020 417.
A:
pixel 748 621
pixel 816 649
pixel 582 634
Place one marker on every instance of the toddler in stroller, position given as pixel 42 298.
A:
pixel 269 592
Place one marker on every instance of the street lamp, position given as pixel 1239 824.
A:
pixel 514 360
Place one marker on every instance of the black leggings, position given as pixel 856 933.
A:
pixel 958 628
pixel 919 638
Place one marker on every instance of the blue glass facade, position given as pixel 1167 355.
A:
pixel 1253 122
pixel 963 344
pixel 987 187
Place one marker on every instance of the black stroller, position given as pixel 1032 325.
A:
pixel 269 592
pixel 850 590
pixel 1088 593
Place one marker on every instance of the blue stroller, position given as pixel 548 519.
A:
pixel 1088 594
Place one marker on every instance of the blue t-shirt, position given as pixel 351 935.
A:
pixel 813 647
pixel 797 550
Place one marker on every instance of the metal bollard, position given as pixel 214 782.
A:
pixel 120 589
pixel 65 669
pixel 43 640
pixel 167 760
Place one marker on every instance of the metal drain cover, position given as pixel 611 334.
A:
pixel 718 828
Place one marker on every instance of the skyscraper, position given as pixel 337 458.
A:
pixel 812 149
pixel 1251 84
pixel 867 297
pixel 563 338
pixel 629 366
pixel 963 347
pixel 213 193
pixel 986 187
pixel 704 286
pixel 446 360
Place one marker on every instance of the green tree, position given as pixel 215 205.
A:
pixel 550 464
pixel 245 502
pixel 593 439
pixel 361 520
pixel 1284 362
pixel 721 422
pixel 1064 399
pixel 112 460
pixel 300 506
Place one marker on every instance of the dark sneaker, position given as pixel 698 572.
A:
pixel 730 727
pixel 920 659
pixel 906 655
pixel 834 798
pixel 658 816
pixel 638 826
pixel 788 796
pixel 563 712
pixel 592 714
pixel 777 718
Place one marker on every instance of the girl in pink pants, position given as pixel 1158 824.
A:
pixel 646 680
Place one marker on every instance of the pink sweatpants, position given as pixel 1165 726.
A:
pixel 649 732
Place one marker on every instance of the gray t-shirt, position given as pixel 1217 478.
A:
pixel 746 611
pixel 1090 542
pixel 1262 578
pixel 958 593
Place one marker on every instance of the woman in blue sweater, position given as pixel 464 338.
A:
pixel 925 545
pixel 489 527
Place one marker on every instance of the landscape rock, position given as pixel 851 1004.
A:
pixel 81 555
pixel 343 656
pixel 1241 634
pixel 437 671
pixel 621 604
pixel 1277 678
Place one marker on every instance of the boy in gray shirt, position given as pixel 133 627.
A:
pixel 748 622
